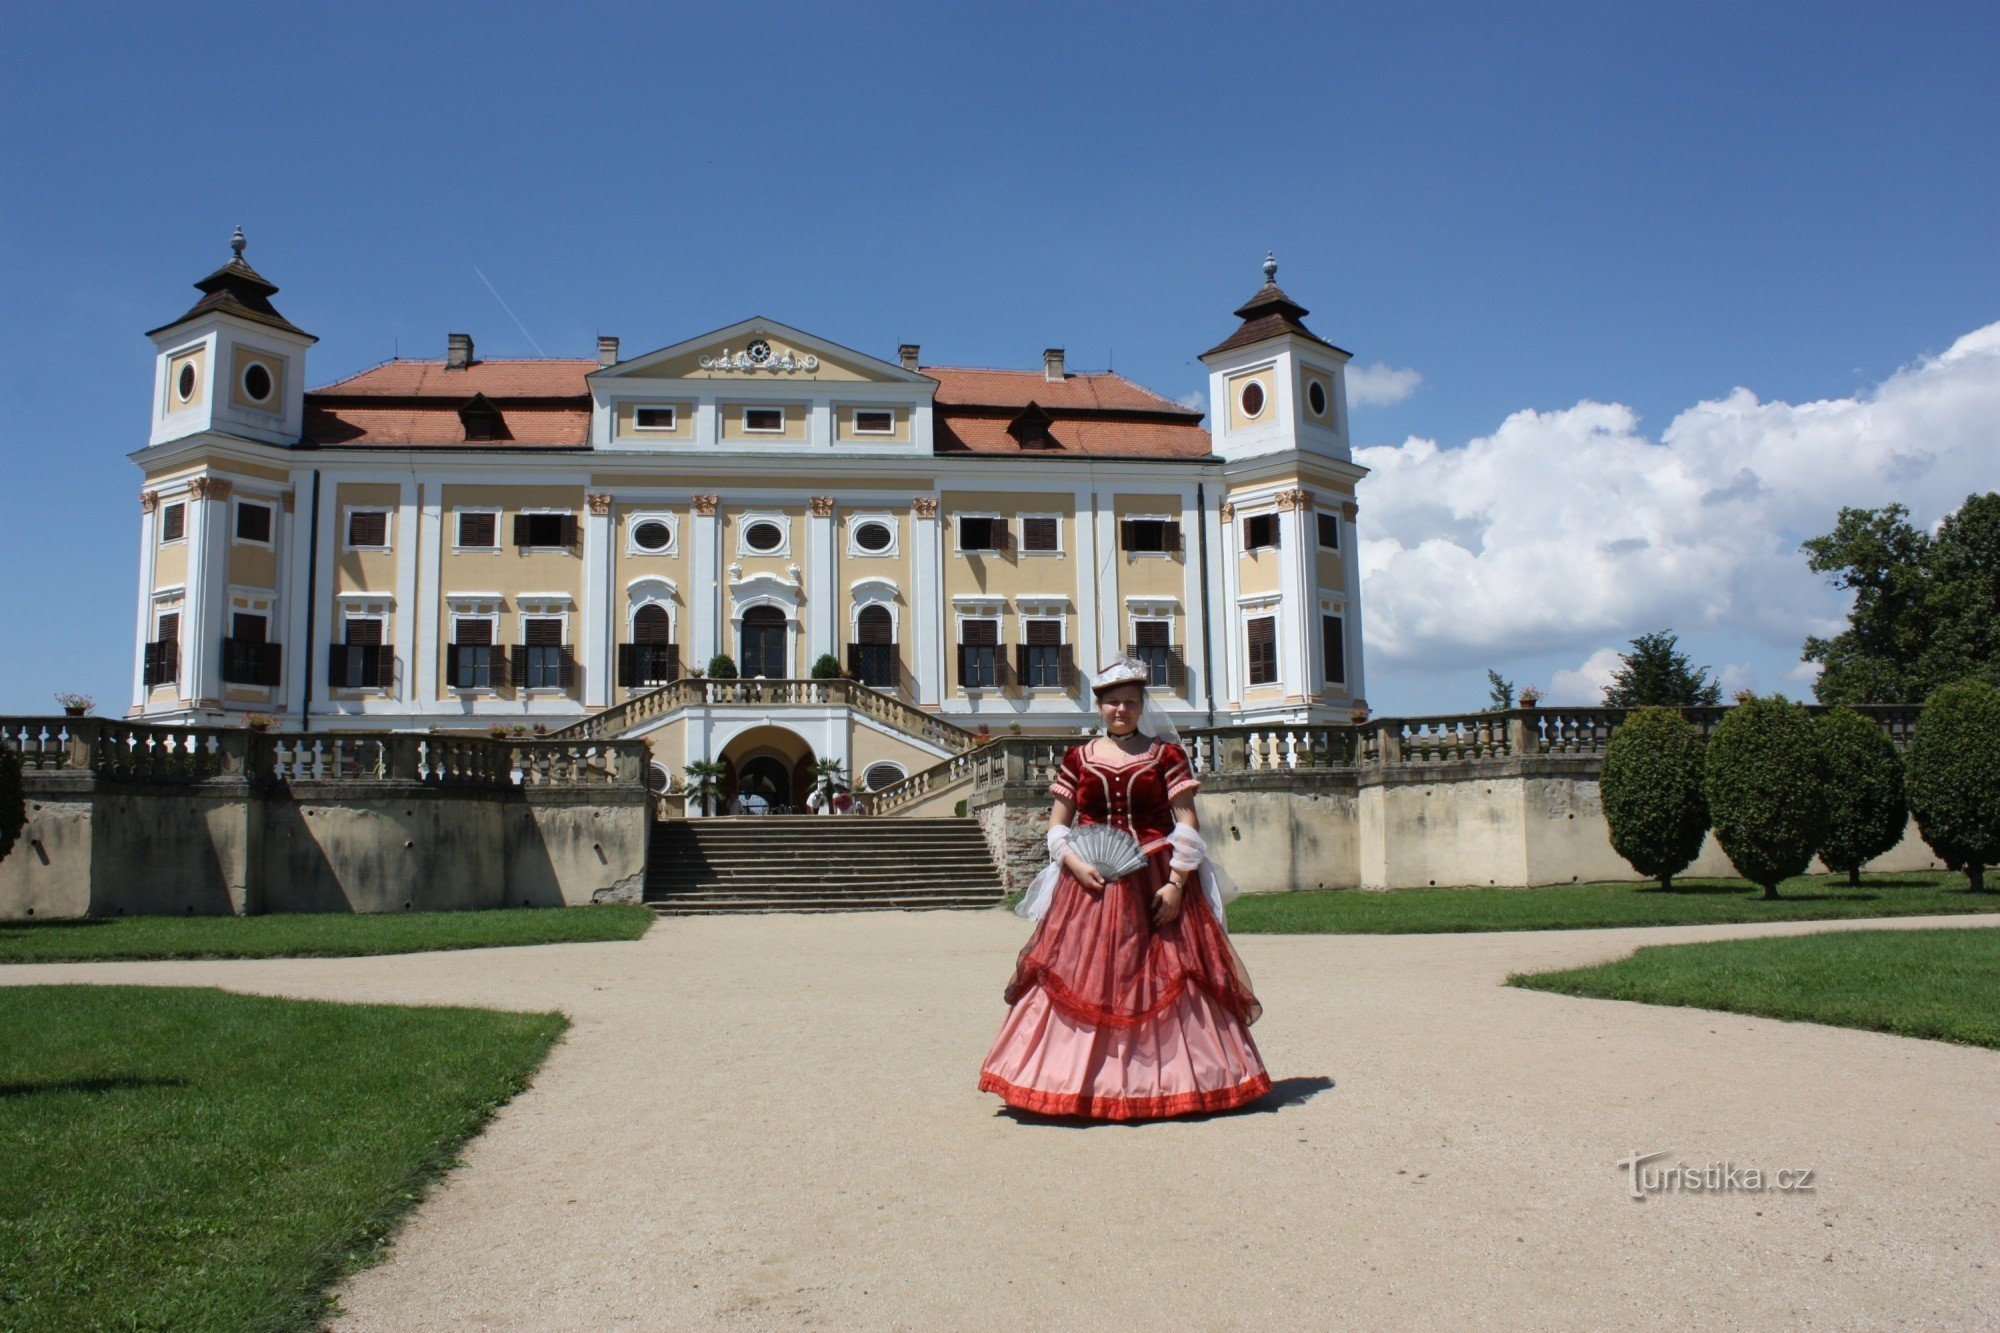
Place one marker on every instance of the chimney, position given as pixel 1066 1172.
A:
pixel 458 351
pixel 1052 364
pixel 908 354
pixel 607 350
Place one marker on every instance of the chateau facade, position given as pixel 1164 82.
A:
pixel 468 543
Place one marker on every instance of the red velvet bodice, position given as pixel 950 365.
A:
pixel 1132 792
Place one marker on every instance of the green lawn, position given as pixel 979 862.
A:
pixel 313 935
pixel 1577 906
pixel 1917 983
pixel 192 1159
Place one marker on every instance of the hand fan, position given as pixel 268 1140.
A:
pixel 1114 852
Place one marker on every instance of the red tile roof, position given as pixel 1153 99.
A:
pixel 546 403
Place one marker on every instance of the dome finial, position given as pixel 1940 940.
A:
pixel 1270 266
pixel 238 241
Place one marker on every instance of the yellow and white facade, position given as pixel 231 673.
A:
pixel 472 543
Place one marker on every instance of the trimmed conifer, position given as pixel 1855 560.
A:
pixel 1765 781
pixel 1866 812
pixel 1954 777
pixel 1652 791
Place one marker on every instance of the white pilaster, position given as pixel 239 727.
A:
pixel 1229 622
pixel 1194 538
pixel 1350 566
pixel 1083 561
pixel 704 595
pixel 327 615
pixel 821 575
pixel 207 593
pixel 298 541
pixel 1107 566
pixel 430 571
pixel 409 616
pixel 595 615
pixel 1294 604
pixel 930 616
pixel 148 549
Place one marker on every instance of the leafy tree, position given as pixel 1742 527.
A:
pixel 1866 813
pixel 704 783
pixel 1926 608
pixel 13 804
pixel 722 667
pixel 1652 793
pixel 1500 691
pixel 1765 781
pixel 829 780
pixel 1653 673
pixel 1954 777
pixel 826 667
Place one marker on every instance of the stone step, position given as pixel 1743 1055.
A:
pixel 761 907
pixel 790 891
pixel 819 864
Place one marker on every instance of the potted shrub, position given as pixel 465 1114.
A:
pixel 1531 697
pixel 497 731
pixel 722 667
pixel 258 721
pixel 826 667
pixel 984 734
pixel 75 705
pixel 1013 728
pixel 1359 715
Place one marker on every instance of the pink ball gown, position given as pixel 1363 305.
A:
pixel 1111 1017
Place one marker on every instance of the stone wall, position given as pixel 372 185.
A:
pixel 137 820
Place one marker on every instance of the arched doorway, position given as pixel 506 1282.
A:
pixel 875 648
pixel 763 647
pixel 769 772
pixel 764 786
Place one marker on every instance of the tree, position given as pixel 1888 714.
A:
pixel 704 783
pixel 1651 785
pixel 722 667
pixel 1954 777
pixel 1765 781
pixel 826 667
pixel 1500 691
pixel 1866 813
pixel 1926 608
pixel 1653 673
pixel 13 805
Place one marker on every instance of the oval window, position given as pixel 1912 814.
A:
pixel 881 775
pixel 658 779
pixel 1253 399
pixel 257 382
pixel 652 535
pixel 184 386
pixel 764 537
pixel 1316 398
pixel 872 537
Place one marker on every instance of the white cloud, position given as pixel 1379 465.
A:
pixel 1378 385
pixel 1563 531
pixel 1196 399
pixel 1586 684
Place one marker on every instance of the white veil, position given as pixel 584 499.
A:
pixel 1216 885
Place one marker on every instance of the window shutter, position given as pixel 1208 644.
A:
pixel 1176 670
pixel 452 674
pixel 1021 661
pixel 628 664
pixel 520 529
pixel 503 674
pixel 569 530
pixel 963 648
pixel 150 674
pixel 271 668
pixel 568 668
pixel 519 654
pixel 1067 659
pixel 1171 538
pixel 385 666
pixel 1125 534
pixel 336 664
pixel 1002 534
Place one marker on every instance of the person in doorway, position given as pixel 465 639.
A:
pixel 1128 1001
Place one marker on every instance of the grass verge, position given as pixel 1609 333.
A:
pixel 313 935
pixel 1916 983
pixel 181 1159
pixel 1582 906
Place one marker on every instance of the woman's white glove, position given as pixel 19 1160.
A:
pixel 1058 842
pixel 1189 849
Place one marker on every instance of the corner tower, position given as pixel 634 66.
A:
pixel 232 364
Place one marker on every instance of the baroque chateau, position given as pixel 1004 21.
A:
pixel 467 543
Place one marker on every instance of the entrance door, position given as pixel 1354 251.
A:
pixel 764 787
pixel 763 643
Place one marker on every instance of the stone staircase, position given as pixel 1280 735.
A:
pixel 818 863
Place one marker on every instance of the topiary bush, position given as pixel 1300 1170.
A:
pixel 13 805
pixel 1865 810
pixel 722 667
pixel 1765 780
pixel 826 667
pixel 1954 777
pixel 1652 793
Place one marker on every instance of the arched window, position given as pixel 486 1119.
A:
pixel 650 624
pixel 873 658
pixel 763 643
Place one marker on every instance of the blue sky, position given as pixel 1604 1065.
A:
pixel 1522 209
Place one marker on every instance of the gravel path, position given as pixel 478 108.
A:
pixel 771 1121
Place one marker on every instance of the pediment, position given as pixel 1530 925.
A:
pixel 761 350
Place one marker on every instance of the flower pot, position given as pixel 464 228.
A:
pixel 75 710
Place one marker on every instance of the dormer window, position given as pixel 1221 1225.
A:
pixel 257 382
pixel 1030 428
pixel 1316 398
pixel 1253 399
pixel 184 382
pixel 482 420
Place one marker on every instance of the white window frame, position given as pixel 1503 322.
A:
pixel 674 409
pixel 347 514
pixel 886 519
pixel 748 519
pixel 472 606
pixel 1243 546
pixel 1152 518
pixel 1326 389
pixel 901 773
pixel 982 608
pixel 1041 608
pixel 378 607
pixel 236 504
pixel 1263 393
pixel 859 429
pixel 243 381
pixel 666 516
pixel 176 400
pixel 542 606
pixel 459 512
pixel 784 419
pixel 1060 550
pixel 165 505
pixel 559 511
pixel 956 530
pixel 1335 515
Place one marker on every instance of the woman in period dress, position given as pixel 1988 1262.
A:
pixel 1128 1002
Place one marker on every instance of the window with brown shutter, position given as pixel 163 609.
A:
pixel 1149 534
pixel 1261 636
pixel 1261 531
pixel 545 661
pixel 1041 534
pixel 982 534
pixel 1152 644
pixel 1329 531
pixel 162 664
pixel 872 655
pixel 978 654
pixel 650 659
pixel 1333 647
pixel 1041 656
pixel 362 660
pixel 367 527
pixel 253 522
pixel 472 662
pixel 545 530
pixel 173 522
pixel 479 532
pixel 248 658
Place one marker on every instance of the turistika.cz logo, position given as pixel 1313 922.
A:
pixel 1712 1177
